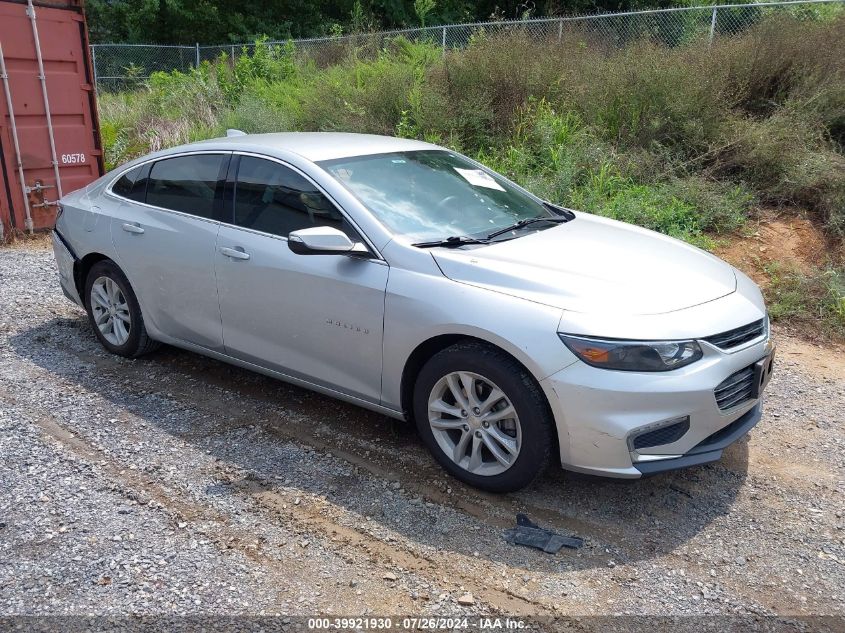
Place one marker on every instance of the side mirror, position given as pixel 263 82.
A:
pixel 323 240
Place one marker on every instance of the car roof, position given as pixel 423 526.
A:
pixel 315 146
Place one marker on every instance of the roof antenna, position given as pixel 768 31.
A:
pixel 232 132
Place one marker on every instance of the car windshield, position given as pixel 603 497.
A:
pixel 435 194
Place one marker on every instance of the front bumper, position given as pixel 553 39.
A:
pixel 598 411
pixel 710 450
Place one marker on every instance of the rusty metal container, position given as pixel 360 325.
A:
pixel 49 132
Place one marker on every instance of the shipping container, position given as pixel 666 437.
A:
pixel 49 132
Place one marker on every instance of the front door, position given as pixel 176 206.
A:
pixel 314 317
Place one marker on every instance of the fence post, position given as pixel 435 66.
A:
pixel 444 40
pixel 560 31
pixel 233 54
pixel 94 65
pixel 198 54
pixel 713 25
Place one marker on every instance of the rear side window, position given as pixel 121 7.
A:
pixel 272 198
pixel 186 183
pixel 132 184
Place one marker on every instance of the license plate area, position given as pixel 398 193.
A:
pixel 762 375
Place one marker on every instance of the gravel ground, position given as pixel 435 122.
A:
pixel 176 485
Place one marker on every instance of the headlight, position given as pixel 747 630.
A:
pixel 633 355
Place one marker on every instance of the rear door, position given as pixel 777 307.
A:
pixel 164 229
pixel 314 317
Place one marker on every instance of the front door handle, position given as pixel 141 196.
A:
pixel 234 253
pixel 131 227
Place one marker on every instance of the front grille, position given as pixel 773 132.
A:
pixel 738 336
pixel 735 389
pixel 663 435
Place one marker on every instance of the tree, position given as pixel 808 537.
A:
pixel 422 8
pixel 240 21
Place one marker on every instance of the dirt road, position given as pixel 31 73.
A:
pixel 176 484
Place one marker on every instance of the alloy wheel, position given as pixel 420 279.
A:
pixel 474 423
pixel 111 311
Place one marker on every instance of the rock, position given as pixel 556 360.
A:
pixel 466 600
pixel 389 576
pixel 739 560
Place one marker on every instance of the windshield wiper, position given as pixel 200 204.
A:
pixel 453 241
pixel 554 219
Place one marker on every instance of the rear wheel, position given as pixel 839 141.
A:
pixel 114 312
pixel 483 417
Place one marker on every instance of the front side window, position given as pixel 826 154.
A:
pixel 432 194
pixel 272 198
pixel 186 183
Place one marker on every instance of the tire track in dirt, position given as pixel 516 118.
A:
pixel 495 510
pixel 225 535
pixel 299 426
pixel 205 387
pixel 316 520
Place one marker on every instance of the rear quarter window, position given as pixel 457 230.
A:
pixel 132 184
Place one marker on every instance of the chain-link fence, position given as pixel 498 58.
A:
pixel 118 66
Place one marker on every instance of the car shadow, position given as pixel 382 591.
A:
pixel 213 407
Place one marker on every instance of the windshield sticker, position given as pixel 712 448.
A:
pixel 478 178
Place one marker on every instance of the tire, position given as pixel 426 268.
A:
pixel 530 431
pixel 128 336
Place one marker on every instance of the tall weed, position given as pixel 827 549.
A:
pixel 682 138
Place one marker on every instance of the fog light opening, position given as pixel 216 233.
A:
pixel 659 433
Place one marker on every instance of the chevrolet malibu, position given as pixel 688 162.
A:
pixel 413 281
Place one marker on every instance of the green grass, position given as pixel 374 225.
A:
pixel 816 298
pixel 686 140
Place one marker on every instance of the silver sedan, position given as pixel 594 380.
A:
pixel 411 280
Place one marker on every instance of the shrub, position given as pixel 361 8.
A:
pixel 267 62
pixel 682 139
pixel 720 206
pixel 478 91
pixel 368 95
pixel 651 206
pixel 816 297
pixel 782 58
pixel 646 95
pixel 549 153
pixel 789 160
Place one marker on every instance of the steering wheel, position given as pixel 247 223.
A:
pixel 446 201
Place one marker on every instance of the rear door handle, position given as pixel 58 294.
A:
pixel 234 253
pixel 132 228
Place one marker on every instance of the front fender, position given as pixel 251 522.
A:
pixel 421 306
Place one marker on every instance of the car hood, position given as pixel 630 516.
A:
pixel 594 264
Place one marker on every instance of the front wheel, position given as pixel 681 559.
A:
pixel 483 417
